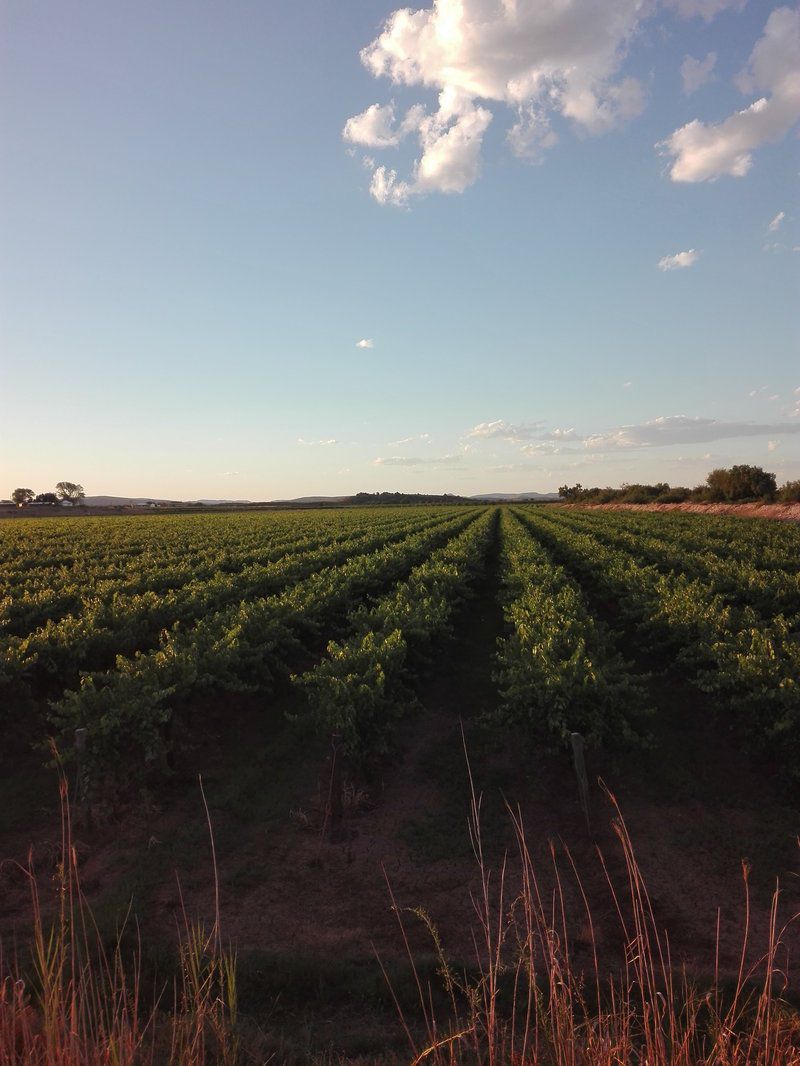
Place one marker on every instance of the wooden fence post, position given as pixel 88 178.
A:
pixel 82 790
pixel 335 794
pixel 579 763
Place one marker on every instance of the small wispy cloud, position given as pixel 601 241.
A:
pixel 415 460
pixel 696 72
pixel 772 445
pixel 365 342
pixel 424 437
pixel 330 442
pixel 775 224
pixel 679 261
pixel 560 435
pixel 682 429
pixel 502 430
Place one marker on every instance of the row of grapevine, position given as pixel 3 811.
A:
pixel 241 647
pixel 558 671
pixel 53 655
pixel 751 665
pixel 34 596
pixel 360 688
pixel 739 580
pixel 766 545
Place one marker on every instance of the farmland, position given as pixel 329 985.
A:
pixel 114 625
pixel 244 646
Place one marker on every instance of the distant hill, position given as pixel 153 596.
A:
pixel 359 498
pixel 122 501
pixel 142 501
pixel 498 497
pixel 315 499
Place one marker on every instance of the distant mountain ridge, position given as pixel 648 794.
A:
pixel 499 497
pixel 484 497
pixel 142 501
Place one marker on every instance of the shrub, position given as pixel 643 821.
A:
pixel 790 492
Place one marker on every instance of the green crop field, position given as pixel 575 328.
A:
pixel 114 624
pixel 386 694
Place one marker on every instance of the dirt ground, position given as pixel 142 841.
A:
pixel 782 512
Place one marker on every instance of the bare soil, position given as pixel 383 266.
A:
pixel 781 512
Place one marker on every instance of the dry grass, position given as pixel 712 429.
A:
pixel 532 1004
pixel 526 999
pixel 77 1004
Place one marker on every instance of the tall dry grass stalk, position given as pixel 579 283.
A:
pixel 540 994
pixel 527 1001
pixel 74 1002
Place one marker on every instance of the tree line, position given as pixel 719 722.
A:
pixel 738 484
pixel 66 491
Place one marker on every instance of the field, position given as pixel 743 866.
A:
pixel 329 673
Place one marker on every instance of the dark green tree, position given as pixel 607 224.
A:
pixel 741 483
pixel 68 490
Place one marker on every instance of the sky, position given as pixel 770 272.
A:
pixel 263 249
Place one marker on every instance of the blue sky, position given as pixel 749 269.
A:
pixel 195 239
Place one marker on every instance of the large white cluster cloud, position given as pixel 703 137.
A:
pixel 703 152
pixel 537 57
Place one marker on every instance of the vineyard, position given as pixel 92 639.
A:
pixel 324 673
pixel 114 626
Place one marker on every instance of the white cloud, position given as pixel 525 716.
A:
pixel 504 431
pixel 377 127
pixel 365 342
pixel 682 429
pixel 531 134
pixel 540 447
pixel 329 443
pixel 451 143
pixel 772 445
pixel 561 435
pixel 703 152
pixel 424 437
pixel 537 57
pixel 679 261
pixel 775 224
pixel 406 460
pixel 627 384
pixel 705 9
pixel 697 72
pixel 386 189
